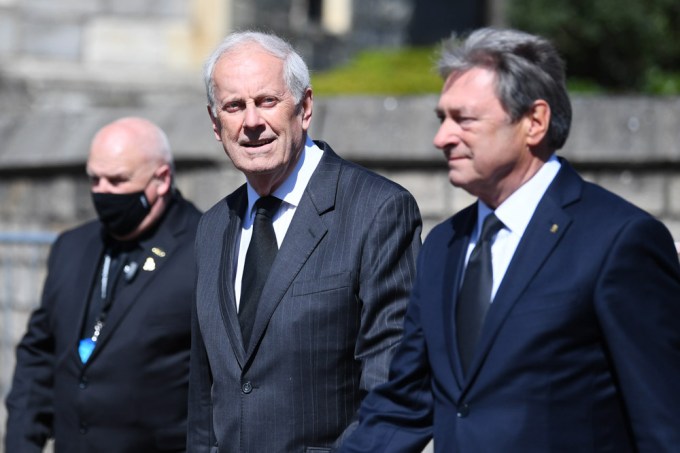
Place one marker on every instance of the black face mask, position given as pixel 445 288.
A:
pixel 121 213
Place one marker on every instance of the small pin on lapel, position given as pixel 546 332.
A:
pixel 158 252
pixel 149 265
pixel 554 228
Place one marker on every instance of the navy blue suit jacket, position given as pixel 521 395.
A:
pixel 580 351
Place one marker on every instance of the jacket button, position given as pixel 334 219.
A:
pixel 83 428
pixel 246 387
pixel 463 410
pixel 83 383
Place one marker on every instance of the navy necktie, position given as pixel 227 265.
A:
pixel 259 258
pixel 475 293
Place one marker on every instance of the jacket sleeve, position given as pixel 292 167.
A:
pixel 396 417
pixel 200 433
pixel 637 300
pixel 386 277
pixel 30 401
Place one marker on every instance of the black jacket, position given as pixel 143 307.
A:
pixel 131 396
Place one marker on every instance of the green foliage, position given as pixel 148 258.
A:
pixel 622 45
pixel 662 83
pixel 403 71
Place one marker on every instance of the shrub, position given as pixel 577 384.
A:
pixel 618 44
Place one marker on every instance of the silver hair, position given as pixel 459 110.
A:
pixel 295 71
pixel 527 68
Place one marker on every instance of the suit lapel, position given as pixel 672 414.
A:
pixel 304 234
pixel 89 266
pixel 547 226
pixel 237 204
pixel 154 254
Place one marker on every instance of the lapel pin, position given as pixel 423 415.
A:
pixel 149 265
pixel 158 252
pixel 554 228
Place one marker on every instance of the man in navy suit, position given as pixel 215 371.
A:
pixel 284 369
pixel 576 347
pixel 104 364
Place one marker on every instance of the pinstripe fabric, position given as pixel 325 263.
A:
pixel 327 324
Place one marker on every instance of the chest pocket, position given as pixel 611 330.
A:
pixel 322 284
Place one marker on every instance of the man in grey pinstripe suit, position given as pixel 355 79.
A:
pixel 331 310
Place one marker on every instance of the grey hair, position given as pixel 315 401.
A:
pixel 527 68
pixel 295 71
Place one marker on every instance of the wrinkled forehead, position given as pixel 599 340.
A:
pixel 249 64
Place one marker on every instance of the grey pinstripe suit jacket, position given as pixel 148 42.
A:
pixel 328 322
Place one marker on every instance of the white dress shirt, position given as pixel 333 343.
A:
pixel 290 192
pixel 515 213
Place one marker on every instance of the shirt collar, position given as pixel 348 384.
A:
pixel 516 211
pixel 294 186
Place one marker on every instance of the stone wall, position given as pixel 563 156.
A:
pixel 69 66
pixel 629 145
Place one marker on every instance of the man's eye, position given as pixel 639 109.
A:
pixel 232 107
pixel 268 102
pixel 465 120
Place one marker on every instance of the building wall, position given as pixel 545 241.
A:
pixel 629 145
pixel 69 66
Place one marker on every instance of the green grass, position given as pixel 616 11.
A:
pixel 405 71
pixel 410 71
pixel 663 83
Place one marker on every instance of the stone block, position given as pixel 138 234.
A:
pixel 8 33
pixel 674 196
pixel 645 190
pixel 189 132
pixel 16 322
pixel 57 202
pixel 63 139
pixel 15 195
pixel 22 273
pixel 430 192
pixel 673 226
pixel 624 129
pixel 49 39
pixel 61 9
pixel 147 9
pixel 132 42
pixel 207 186
pixel 378 128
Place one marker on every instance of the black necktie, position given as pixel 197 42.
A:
pixel 475 293
pixel 259 258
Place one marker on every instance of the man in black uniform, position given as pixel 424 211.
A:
pixel 104 364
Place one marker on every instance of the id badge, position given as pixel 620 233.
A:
pixel 85 348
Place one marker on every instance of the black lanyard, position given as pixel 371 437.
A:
pixel 109 282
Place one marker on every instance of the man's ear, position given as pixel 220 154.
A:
pixel 538 122
pixel 306 106
pixel 164 176
pixel 217 127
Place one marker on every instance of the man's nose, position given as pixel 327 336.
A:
pixel 447 134
pixel 253 118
